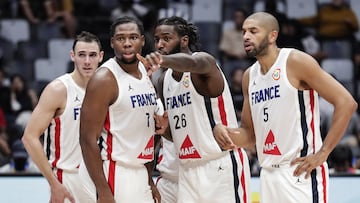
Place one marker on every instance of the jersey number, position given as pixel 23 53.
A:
pixel 148 119
pixel 266 114
pixel 180 121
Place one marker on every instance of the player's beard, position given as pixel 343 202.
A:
pixel 176 49
pixel 260 50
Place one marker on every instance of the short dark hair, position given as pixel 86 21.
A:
pixel 85 36
pixel 182 27
pixel 126 19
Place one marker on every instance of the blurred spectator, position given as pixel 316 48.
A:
pixel 19 156
pixel 18 100
pixel 50 11
pixel 10 151
pixel 291 34
pixel 232 47
pixel 335 21
pixel 352 133
pixel 357 164
pixel 128 8
pixel 7 51
pixel 4 80
pixel 341 161
pixel 33 11
pixel 62 10
pixel 5 151
pixel 236 91
pixel 15 158
pixel 272 8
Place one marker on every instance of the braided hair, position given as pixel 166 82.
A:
pixel 182 27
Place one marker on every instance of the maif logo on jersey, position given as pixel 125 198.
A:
pixel 148 152
pixel 187 150
pixel 270 146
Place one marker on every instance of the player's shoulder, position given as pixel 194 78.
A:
pixel 56 86
pixel 103 75
pixel 301 60
pixel 54 89
pixel 301 65
pixel 299 56
pixel 54 94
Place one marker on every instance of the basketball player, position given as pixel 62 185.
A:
pixel 118 110
pixel 168 166
pixel 196 96
pixel 281 115
pixel 57 115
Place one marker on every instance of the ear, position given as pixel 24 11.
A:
pixel 273 36
pixel 72 55
pixel 184 41
pixel 111 42
pixel 101 56
pixel 143 40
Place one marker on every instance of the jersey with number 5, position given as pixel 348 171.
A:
pixel 286 120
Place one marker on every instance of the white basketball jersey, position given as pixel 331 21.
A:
pixel 129 128
pixel 286 120
pixel 61 141
pixel 168 163
pixel 193 116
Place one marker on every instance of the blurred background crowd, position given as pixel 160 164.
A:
pixel 37 35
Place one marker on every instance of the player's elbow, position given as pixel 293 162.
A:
pixel 26 140
pixel 349 105
pixel 353 105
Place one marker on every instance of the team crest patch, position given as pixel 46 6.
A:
pixel 276 74
pixel 186 81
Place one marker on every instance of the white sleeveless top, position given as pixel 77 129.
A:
pixel 286 120
pixel 128 133
pixel 61 141
pixel 168 162
pixel 193 116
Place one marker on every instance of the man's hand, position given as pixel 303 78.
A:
pixel 308 163
pixel 59 193
pixel 152 62
pixel 221 134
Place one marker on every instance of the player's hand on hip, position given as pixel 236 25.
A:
pixel 308 163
